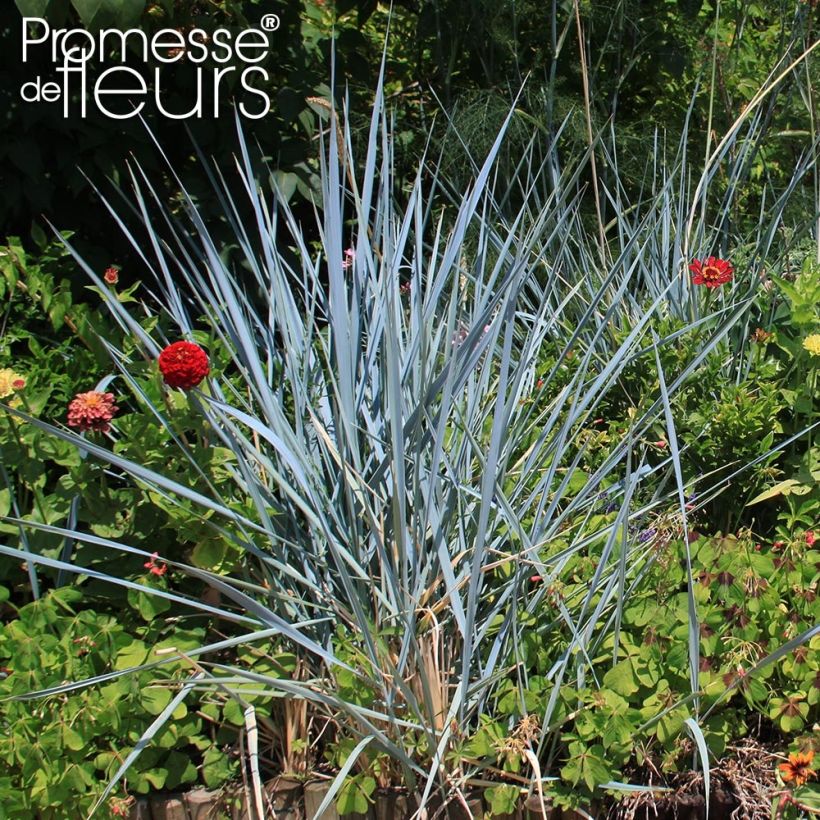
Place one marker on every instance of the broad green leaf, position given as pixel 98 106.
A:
pixel 134 654
pixel 216 768
pixel 233 712
pixel 355 794
pixel 209 553
pixel 621 678
pixel 503 799
pixel 154 699
pixel 73 739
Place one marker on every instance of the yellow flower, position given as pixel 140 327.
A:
pixel 10 381
pixel 812 344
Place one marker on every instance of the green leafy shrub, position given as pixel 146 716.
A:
pixel 751 597
pixel 58 750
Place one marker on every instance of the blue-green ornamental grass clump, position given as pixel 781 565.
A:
pixel 417 470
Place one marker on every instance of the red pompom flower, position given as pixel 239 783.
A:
pixel 183 364
pixel 712 272
pixel 92 411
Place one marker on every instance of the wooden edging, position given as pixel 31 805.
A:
pixel 292 800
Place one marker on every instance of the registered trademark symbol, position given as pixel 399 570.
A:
pixel 270 22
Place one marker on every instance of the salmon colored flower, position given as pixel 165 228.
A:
pixel 153 567
pixel 10 382
pixel 712 272
pixel 183 364
pixel 812 344
pixel 92 411
pixel 799 769
pixel 111 275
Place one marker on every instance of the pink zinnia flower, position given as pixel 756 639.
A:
pixel 810 537
pixel 111 275
pixel 92 411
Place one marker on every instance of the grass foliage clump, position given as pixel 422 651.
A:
pixel 437 455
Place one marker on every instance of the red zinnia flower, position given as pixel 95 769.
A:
pixel 111 276
pixel 183 364
pixel 798 769
pixel 712 272
pixel 92 411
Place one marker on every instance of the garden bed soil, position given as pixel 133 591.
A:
pixel 289 800
pixel 298 804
